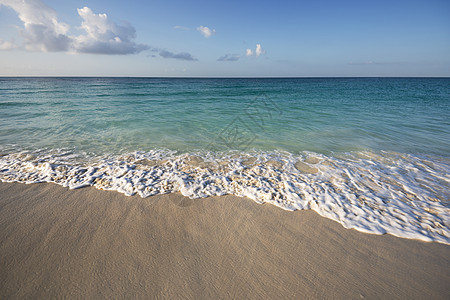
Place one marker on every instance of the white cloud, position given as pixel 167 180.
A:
pixel 104 36
pixel 7 45
pixel 258 51
pixel 43 32
pixel 206 32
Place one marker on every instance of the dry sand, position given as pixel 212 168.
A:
pixel 86 243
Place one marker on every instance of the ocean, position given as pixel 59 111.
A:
pixel 370 153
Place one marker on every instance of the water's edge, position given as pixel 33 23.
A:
pixel 373 192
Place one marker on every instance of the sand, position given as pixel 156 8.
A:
pixel 86 243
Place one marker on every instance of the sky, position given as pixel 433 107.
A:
pixel 246 38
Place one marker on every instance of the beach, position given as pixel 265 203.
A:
pixel 294 150
pixel 88 243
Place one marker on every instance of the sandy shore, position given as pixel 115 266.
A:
pixel 86 243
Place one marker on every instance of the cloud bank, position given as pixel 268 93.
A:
pixel 368 63
pixel 181 27
pixel 229 57
pixel 181 55
pixel 43 32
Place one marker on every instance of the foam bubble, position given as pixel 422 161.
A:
pixel 384 192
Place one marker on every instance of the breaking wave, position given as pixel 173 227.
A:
pixel 374 192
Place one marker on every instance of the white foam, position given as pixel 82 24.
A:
pixel 400 194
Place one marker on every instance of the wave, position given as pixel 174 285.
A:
pixel 374 192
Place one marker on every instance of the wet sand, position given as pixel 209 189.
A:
pixel 87 243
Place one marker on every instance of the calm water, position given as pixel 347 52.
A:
pixel 371 153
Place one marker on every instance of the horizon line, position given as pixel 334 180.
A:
pixel 210 77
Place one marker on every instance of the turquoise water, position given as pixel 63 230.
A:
pixel 371 153
pixel 320 115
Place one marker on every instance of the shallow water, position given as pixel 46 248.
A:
pixel 370 153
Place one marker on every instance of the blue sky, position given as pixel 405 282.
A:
pixel 224 38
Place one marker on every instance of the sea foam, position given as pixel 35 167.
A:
pixel 373 192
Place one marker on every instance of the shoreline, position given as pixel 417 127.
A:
pixel 390 200
pixel 88 243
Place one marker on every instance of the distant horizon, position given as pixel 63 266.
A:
pixel 218 77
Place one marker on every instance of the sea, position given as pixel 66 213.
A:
pixel 370 153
